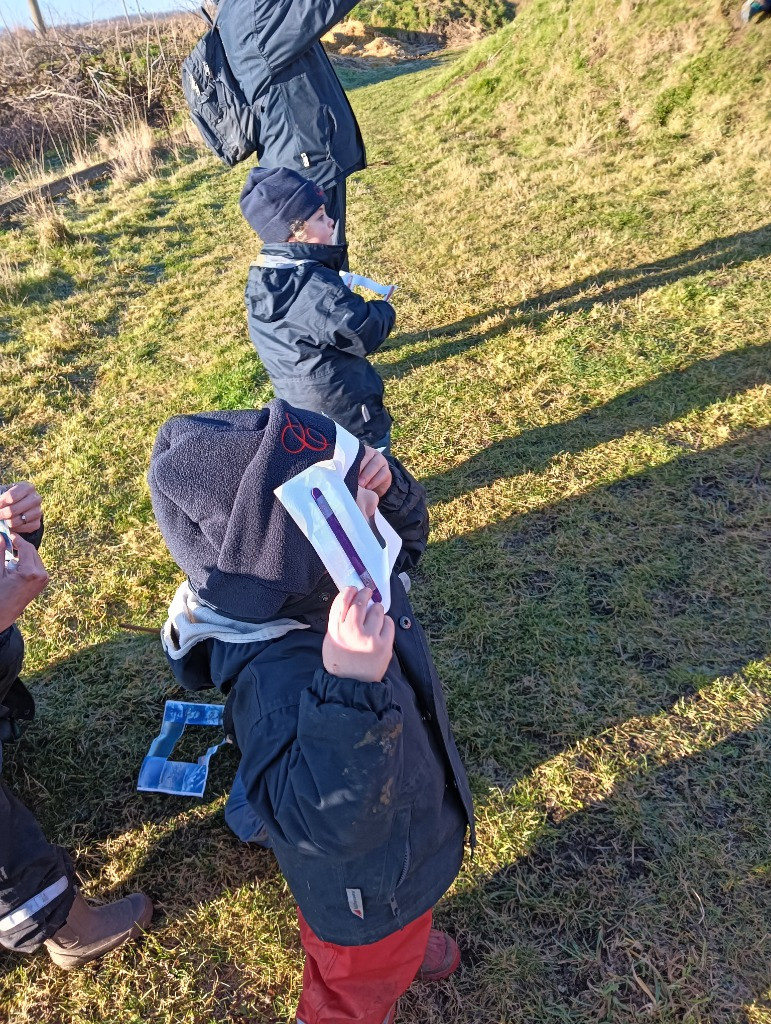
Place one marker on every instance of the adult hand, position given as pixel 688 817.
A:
pixel 22 584
pixel 20 507
pixel 374 471
pixel 359 640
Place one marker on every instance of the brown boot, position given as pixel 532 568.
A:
pixel 442 957
pixel 90 932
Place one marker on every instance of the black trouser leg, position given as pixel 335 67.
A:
pixel 36 879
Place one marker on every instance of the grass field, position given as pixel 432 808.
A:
pixel 422 15
pixel 578 216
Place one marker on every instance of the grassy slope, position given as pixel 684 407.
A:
pixel 427 15
pixel 577 217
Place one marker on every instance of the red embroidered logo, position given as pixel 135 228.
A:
pixel 296 438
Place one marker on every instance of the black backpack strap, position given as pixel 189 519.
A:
pixel 208 18
pixel 219 4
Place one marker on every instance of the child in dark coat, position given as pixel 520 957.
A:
pixel 312 333
pixel 347 755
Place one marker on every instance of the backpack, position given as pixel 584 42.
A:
pixel 217 105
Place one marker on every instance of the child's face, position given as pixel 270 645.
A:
pixel 318 229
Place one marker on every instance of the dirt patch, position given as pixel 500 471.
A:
pixel 355 39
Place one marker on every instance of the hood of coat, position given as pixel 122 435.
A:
pixel 278 293
pixel 212 479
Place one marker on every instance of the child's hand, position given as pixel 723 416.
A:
pixel 374 471
pixel 359 641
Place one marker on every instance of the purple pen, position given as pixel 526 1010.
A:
pixel 345 543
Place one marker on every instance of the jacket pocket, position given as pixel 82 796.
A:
pixel 310 120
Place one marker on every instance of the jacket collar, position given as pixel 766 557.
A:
pixel 332 256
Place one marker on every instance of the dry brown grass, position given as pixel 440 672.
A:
pixel 9 273
pixel 133 152
pixel 47 223
pixel 62 90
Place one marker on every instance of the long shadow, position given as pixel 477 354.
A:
pixel 367 71
pixel 553 625
pixel 652 904
pixel 605 288
pixel 76 768
pixel 661 400
pixel 547 628
pixel 54 284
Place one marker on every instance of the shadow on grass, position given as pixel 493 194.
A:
pixel 76 768
pixel 652 904
pixel 661 400
pixel 606 288
pixel 547 628
pixel 51 285
pixel 366 71
pixel 554 625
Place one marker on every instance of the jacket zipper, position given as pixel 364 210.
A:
pixel 405 868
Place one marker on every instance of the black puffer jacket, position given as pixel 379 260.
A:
pixel 305 119
pixel 313 334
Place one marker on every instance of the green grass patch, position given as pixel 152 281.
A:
pixel 430 15
pixel 576 213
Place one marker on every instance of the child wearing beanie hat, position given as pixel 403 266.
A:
pixel 312 333
pixel 348 765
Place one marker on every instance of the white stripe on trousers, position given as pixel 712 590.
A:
pixel 26 910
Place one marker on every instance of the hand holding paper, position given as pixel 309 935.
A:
pixel 374 472
pixel 359 281
pixel 353 550
pixel 359 641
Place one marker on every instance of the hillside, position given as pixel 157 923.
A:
pixel 433 15
pixel 577 213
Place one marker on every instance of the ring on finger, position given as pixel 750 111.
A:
pixel 23 518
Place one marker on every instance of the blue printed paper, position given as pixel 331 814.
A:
pixel 179 778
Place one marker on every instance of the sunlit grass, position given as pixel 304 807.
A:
pixel 580 377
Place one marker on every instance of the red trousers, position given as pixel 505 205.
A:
pixel 359 984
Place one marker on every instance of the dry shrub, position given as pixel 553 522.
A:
pixel 133 153
pixel 462 33
pixel 9 275
pixel 47 222
pixel 63 89
pixel 188 135
pixel 352 27
pixel 345 32
pixel 382 47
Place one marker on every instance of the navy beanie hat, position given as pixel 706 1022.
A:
pixel 212 477
pixel 273 199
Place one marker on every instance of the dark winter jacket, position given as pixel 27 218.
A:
pixel 360 785
pixel 30 867
pixel 305 119
pixel 313 334
pixel 17 707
